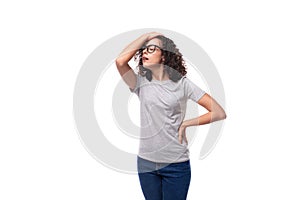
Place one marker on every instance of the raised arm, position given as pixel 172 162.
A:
pixel 125 56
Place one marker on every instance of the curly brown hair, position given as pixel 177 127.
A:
pixel 173 61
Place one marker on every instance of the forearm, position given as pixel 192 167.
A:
pixel 207 118
pixel 131 49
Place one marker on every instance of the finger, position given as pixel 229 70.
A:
pixel 184 136
pixel 185 139
pixel 153 35
pixel 180 138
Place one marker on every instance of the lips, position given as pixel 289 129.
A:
pixel 145 58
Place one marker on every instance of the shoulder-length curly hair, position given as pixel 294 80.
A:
pixel 173 61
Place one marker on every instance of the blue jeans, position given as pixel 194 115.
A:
pixel 163 181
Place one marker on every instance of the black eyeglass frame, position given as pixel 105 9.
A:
pixel 151 45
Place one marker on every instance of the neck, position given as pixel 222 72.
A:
pixel 158 73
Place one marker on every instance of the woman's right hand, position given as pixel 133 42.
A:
pixel 151 35
pixel 122 60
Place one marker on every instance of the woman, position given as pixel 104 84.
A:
pixel 163 89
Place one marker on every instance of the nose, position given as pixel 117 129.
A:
pixel 145 51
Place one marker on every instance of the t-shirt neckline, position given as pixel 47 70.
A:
pixel 161 82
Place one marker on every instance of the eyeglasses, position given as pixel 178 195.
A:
pixel 150 48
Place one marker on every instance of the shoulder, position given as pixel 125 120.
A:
pixel 185 80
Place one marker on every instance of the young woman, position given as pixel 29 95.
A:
pixel 163 89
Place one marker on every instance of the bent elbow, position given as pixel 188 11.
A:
pixel 119 62
pixel 222 115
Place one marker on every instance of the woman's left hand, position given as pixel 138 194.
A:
pixel 182 134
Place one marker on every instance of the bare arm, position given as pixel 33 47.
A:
pixel 215 113
pixel 125 56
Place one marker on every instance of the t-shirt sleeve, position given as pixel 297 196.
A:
pixel 193 91
pixel 136 89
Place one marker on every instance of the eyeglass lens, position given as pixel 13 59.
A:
pixel 150 48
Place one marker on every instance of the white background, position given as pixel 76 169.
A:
pixel 254 45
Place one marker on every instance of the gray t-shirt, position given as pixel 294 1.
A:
pixel 162 110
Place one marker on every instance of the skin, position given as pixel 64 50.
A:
pixel 214 111
pixel 155 60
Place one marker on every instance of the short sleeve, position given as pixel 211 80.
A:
pixel 136 89
pixel 193 91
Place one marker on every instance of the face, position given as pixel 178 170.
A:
pixel 152 54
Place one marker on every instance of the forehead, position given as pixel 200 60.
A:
pixel 154 41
